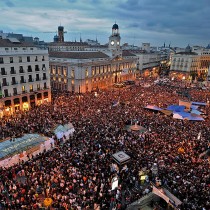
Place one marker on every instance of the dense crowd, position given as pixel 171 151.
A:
pixel 77 174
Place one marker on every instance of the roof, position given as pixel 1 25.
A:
pixel 127 53
pixel 115 26
pixel 68 44
pixel 9 43
pixel 186 53
pixel 78 55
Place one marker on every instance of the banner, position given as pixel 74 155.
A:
pixel 160 193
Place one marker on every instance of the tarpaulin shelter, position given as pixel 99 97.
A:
pixel 176 108
pixel 153 107
pixel 199 103
pixel 17 145
pixel 62 130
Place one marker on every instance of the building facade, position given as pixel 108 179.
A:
pixel 192 65
pixel 24 76
pixel 78 67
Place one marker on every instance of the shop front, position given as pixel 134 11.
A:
pixel 25 104
pixel 16 104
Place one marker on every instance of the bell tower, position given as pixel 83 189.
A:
pixel 114 41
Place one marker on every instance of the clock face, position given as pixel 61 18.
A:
pixel 118 43
pixel 112 42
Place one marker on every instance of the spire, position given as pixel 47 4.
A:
pixel 80 38
pixel 164 45
pixel 75 40
pixel 96 39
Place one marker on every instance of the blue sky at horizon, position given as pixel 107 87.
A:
pixel 179 22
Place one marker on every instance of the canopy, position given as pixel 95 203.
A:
pixel 199 103
pixel 166 112
pixel 17 145
pixel 176 108
pixel 194 111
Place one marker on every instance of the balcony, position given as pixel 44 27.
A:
pixel 24 91
pixel 14 83
pixel 44 88
pixel 7 95
pixel 21 71
pixel 13 72
pixel 38 79
pixel 5 84
pixel 30 80
pixel 15 93
pixel 31 90
pixel 44 78
pixel 22 81
pixel 3 73
pixel 37 69
pixel 29 69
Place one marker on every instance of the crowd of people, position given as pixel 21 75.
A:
pixel 77 174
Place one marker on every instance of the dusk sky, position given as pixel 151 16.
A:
pixel 179 22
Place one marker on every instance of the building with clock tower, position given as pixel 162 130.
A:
pixel 114 42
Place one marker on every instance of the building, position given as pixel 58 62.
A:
pixel 192 64
pixel 79 67
pixel 24 76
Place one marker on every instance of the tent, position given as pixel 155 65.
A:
pixel 62 130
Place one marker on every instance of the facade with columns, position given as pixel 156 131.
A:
pixel 90 69
pixel 24 76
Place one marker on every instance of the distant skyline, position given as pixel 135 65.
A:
pixel 178 23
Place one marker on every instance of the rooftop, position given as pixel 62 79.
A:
pixel 78 55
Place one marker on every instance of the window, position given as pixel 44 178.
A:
pixel 72 73
pixel 6 94
pixel 86 73
pixel 43 58
pixel 11 59
pixel 31 48
pixel 6 48
pixel 15 48
pixel 14 91
pixel 36 59
pixel 20 59
pixel 3 72
pixel 23 88
pixel 28 58
pixel 38 86
pixel 31 88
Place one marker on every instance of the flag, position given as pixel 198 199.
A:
pixel 115 103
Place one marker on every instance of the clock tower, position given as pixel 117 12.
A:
pixel 114 41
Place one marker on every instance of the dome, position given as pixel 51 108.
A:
pixel 60 28
pixel 115 26
pixel 188 48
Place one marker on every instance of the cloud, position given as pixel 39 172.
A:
pixel 158 21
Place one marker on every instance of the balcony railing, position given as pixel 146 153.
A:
pixel 22 81
pixel 24 91
pixel 3 73
pixel 5 84
pixel 44 78
pixel 15 93
pixel 29 70
pixel 38 79
pixel 31 90
pixel 14 83
pixel 21 71
pixel 30 80
pixel 13 72
pixel 7 95
pixel 37 69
